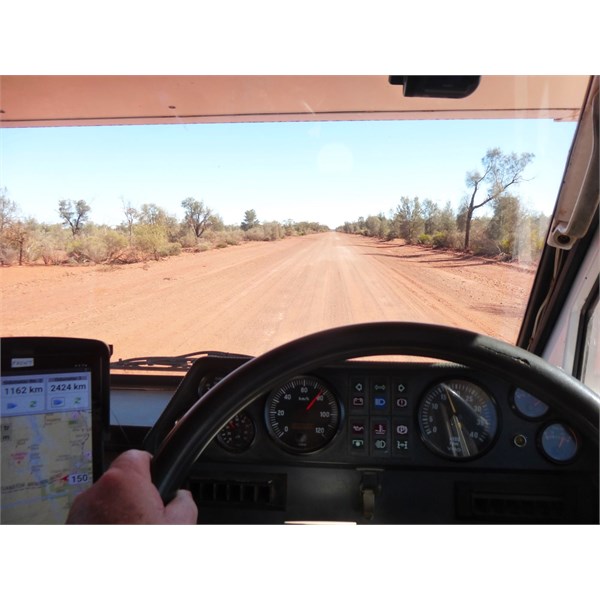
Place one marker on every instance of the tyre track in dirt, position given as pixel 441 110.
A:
pixel 252 297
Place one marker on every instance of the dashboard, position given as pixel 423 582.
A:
pixel 372 442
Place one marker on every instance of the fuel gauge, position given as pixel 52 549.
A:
pixel 559 443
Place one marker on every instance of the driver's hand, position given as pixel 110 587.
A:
pixel 125 494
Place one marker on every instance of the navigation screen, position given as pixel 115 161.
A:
pixel 46 422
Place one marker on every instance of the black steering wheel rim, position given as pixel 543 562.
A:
pixel 195 430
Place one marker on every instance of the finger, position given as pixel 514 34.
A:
pixel 182 510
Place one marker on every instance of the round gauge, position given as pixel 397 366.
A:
pixel 238 434
pixel 559 443
pixel 208 382
pixel 529 406
pixel 303 415
pixel 458 419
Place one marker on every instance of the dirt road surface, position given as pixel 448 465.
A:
pixel 255 296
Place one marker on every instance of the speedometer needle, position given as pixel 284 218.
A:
pixel 448 390
pixel 457 424
pixel 314 400
pixel 463 442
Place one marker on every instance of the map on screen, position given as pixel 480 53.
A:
pixel 46 428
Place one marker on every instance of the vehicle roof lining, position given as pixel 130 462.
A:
pixel 67 100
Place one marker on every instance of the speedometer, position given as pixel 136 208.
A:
pixel 458 419
pixel 303 415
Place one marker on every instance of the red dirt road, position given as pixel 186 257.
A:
pixel 253 297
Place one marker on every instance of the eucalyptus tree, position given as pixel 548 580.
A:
pixel 500 172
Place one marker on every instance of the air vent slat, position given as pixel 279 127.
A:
pixel 224 493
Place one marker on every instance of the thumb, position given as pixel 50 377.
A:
pixel 182 510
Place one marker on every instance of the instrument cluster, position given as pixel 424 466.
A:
pixel 397 414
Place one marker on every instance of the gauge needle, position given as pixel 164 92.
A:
pixel 463 442
pixel 448 392
pixel 448 429
pixel 314 400
pixel 457 424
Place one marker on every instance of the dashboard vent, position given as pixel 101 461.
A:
pixel 515 508
pixel 514 503
pixel 263 493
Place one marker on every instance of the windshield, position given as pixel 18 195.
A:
pixel 168 239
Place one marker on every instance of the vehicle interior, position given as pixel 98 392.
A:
pixel 383 417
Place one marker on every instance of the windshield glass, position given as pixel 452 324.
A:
pixel 170 239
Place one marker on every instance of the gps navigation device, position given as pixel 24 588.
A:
pixel 54 412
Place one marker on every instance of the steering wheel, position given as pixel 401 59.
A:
pixel 195 430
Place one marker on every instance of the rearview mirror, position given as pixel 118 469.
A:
pixel 436 86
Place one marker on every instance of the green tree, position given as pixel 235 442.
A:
pixel 408 220
pixel 431 214
pixel 504 224
pixel 373 225
pixel 8 219
pixel 8 211
pixel 151 214
pixel 17 236
pixel 75 215
pixel 131 214
pixel 250 220
pixel 384 227
pixel 197 216
pixel 447 221
pixel 500 171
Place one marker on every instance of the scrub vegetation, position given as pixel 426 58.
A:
pixel 506 228
pixel 146 233
pixel 491 220
pixel 509 232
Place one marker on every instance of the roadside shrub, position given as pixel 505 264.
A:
pixel 104 246
pixel 445 239
pixel 152 242
pixel 226 237
pixel 8 255
pixel 49 244
pixel 481 245
pixel 172 249
pixel 507 246
pixel 273 231
pixel 200 247
pixel 425 239
pixel 267 232
pixel 256 234
pixel 188 240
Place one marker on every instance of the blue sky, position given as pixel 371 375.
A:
pixel 329 172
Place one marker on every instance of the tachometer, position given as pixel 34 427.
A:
pixel 458 419
pixel 303 415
